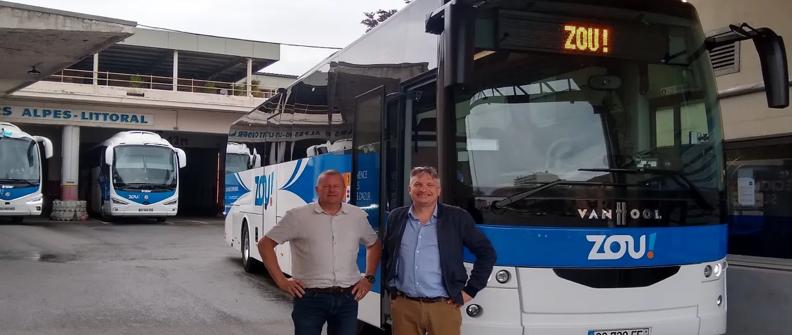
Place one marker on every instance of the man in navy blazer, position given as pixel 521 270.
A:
pixel 423 260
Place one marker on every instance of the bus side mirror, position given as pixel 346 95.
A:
pixel 256 158
pixel 772 56
pixel 775 72
pixel 181 156
pixel 109 155
pixel 47 145
pixel 455 25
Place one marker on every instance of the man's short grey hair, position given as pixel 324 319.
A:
pixel 330 172
pixel 431 171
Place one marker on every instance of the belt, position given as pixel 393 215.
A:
pixel 332 289
pixel 421 299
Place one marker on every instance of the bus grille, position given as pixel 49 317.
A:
pixel 617 278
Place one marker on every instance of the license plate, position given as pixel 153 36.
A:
pixel 631 331
pixel 145 209
pixel 7 208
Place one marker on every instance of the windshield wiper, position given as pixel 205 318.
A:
pixel 522 195
pixel 694 190
pixel 17 181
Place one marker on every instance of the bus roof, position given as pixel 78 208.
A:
pixel 136 137
pixel 11 130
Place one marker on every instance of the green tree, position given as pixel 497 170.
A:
pixel 374 18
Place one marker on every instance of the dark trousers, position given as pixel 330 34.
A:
pixel 311 312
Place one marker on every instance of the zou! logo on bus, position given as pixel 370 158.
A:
pixel 265 186
pixel 615 247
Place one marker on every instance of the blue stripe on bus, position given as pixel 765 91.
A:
pixel 240 183
pixel 12 193
pixel 150 197
pixel 586 247
pixel 294 173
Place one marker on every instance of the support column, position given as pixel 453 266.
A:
pixel 249 76
pixel 96 69
pixel 70 167
pixel 175 70
pixel 69 207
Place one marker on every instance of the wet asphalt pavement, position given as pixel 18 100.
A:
pixel 132 277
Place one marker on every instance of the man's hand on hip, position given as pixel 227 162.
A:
pixel 465 299
pixel 362 288
pixel 292 286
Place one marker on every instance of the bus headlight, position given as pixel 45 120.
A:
pixel 473 310
pixel 503 276
pixel 717 270
pixel 719 301
pixel 172 202
pixel 707 271
pixel 119 202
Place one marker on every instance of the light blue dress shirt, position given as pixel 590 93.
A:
pixel 418 272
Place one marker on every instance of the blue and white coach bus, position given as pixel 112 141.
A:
pixel 20 172
pixel 135 174
pixel 583 136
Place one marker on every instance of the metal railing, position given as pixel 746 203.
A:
pixel 105 78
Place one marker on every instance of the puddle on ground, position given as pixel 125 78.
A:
pixel 41 257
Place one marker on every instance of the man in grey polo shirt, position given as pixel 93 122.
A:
pixel 324 237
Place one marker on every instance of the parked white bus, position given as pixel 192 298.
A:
pixel 135 173
pixel 237 158
pixel 21 171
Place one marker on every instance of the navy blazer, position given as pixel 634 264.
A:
pixel 455 230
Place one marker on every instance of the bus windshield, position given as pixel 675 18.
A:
pixel 236 162
pixel 139 166
pixel 548 138
pixel 20 165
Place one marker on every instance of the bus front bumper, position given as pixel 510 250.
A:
pixel 155 210
pixel 26 206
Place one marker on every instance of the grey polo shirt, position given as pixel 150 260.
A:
pixel 324 248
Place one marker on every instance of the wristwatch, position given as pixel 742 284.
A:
pixel 370 278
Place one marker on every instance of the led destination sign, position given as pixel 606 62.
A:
pixel 520 31
pixel 587 39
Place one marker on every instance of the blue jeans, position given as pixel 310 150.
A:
pixel 311 312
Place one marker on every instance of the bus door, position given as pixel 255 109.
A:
pixel 408 140
pixel 365 182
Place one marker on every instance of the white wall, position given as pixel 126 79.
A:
pixel 748 116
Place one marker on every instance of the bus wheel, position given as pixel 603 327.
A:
pixel 247 261
pixel 17 219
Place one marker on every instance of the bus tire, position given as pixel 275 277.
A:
pixel 17 219
pixel 248 263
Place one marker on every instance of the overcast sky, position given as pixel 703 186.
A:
pixel 311 22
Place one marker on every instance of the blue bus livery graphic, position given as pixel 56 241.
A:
pixel 234 188
pixel 11 192
pixel 145 198
pixel 605 247
pixel 265 186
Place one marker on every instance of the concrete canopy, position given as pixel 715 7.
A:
pixel 36 42
pixel 204 57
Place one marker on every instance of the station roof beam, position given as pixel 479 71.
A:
pixel 36 42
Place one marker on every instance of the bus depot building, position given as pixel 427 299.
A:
pixel 97 76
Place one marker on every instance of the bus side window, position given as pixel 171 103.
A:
pixel 422 143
